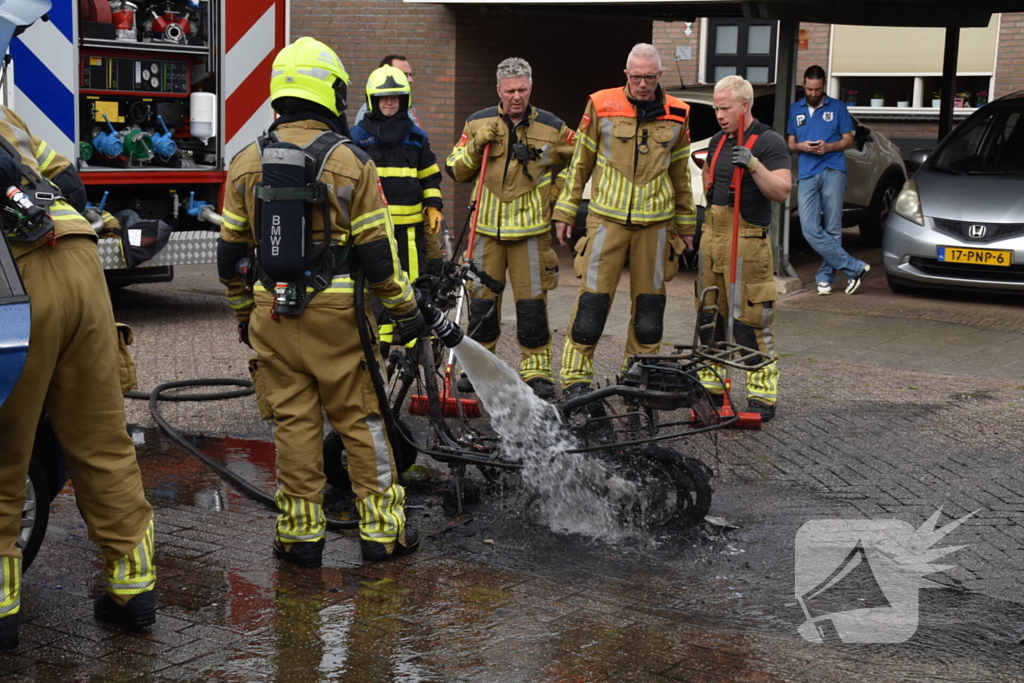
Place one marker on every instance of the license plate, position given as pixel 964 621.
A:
pixel 978 257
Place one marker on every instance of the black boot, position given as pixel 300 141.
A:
pixel 308 555
pixel 138 613
pixel 9 628
pixel 464 385
pixel 378 552
pixel 542 387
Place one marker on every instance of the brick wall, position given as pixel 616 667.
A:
pixel 896 129
pixel 816 52
pixel 1010 57
pixel 667 36
pixel 363 31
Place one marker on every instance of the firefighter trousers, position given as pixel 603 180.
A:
pixel 412 245
pixel 653 257
pixel 72 372
pixel 532 268
pixel 315 361
pixel 754 313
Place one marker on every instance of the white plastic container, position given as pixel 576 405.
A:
pixel 203 108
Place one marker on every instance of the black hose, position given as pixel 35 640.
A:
pixel 241 483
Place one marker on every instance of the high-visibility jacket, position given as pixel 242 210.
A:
pixel 636 159
pixel 359 217
pixel 517 197
pixel 43 159
pixel 408 172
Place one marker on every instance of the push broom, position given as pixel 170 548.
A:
pixel 451 405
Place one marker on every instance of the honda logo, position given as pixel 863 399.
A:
pixel 976 232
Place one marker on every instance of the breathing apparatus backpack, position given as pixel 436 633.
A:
pixel 289 261
pixel 25 217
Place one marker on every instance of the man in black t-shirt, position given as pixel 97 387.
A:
pixel 765 160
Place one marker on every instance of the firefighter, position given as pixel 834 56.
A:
pixel 74 354
pixel 633 143
pixel 765 158
pixel 513 219
pixel 408 170
pixel 304 329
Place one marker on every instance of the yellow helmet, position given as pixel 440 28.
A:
pixel 388 81
pixel 310 70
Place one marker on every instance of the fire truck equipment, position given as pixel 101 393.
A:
pixel 163 145
pixel 124 19
pixel 108 144
pixel 138 145
pixel 203 106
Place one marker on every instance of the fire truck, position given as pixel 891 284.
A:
pixel 152 99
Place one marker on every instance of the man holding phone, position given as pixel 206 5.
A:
pixel 820 129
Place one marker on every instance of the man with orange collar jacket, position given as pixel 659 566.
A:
pixel 634 144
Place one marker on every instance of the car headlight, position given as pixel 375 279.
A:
pixel 908 203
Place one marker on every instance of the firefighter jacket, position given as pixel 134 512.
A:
pixel 40 157
pixel 406 166
pixel 637 160
pixel 518 195
pixel 359 217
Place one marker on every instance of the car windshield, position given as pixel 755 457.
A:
pixel 991 143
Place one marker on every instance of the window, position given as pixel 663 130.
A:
pixel 743 47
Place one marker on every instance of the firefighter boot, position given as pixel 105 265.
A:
pixel 374 551
pixel 137 613
pixel 382 530
pixel 307 555
pixel 10 602
pixel 300 531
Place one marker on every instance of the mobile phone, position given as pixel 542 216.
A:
pixel 814 143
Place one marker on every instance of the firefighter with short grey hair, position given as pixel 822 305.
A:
pixel 633 145
pixel 514 216
pixel 310 205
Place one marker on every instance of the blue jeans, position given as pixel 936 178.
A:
pixel 824 193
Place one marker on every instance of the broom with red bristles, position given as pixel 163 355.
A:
pixel 452 406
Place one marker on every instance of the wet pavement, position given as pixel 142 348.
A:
pixel 890 408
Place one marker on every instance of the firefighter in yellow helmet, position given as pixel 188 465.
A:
pixel 309 204
pixel 72 372
pixel 514 216
pixel 633 144
pixel 407 167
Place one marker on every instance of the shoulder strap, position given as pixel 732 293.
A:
pixel 748 143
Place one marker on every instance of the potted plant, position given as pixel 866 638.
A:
pixel 851 97
pixel 961 99
pixel 982 98
pixel 878 100
pixel 937 99
pixel 903 104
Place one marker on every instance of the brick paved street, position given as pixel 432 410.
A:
pixel 891 407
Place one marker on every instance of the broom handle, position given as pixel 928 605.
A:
pixel 737 181
pixel 476 202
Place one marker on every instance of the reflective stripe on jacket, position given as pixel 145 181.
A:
pixel 637 162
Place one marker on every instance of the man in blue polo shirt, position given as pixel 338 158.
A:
pixel 820 128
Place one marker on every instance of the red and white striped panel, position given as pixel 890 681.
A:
pixel 254 32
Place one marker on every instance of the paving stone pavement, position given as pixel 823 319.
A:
pixel 882 415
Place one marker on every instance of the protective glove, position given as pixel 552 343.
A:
pixel 243 333
pixel 433 222
pixel 486 133
pixel 10 171
pixel 742 157
pixel 410 326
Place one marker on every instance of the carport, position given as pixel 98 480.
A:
pixel 952 15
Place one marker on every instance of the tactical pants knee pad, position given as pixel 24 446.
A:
pixel 532 323
pixel 483 320
pixel 648 318
pixel 591 315
pixel 747 336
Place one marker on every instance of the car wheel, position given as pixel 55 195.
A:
pixel 873 225
pixel 897 286
pixel 35 515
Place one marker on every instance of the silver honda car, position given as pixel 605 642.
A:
pixel 959 222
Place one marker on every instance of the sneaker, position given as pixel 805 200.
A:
pixel 854 283
pixel 308 555
pixel 824 289
pixel 9 629
pixel 464 385
pixel 374 551
pixel 138 613
pixel 542 387
pixel 765 410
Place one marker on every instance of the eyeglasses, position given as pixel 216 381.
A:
pixel 650 78
pixel 408 74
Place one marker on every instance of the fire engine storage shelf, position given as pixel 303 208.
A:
pixel 183 248
pixel 176 48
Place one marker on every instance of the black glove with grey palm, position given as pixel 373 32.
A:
pixel 410 326
pixel 744 158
